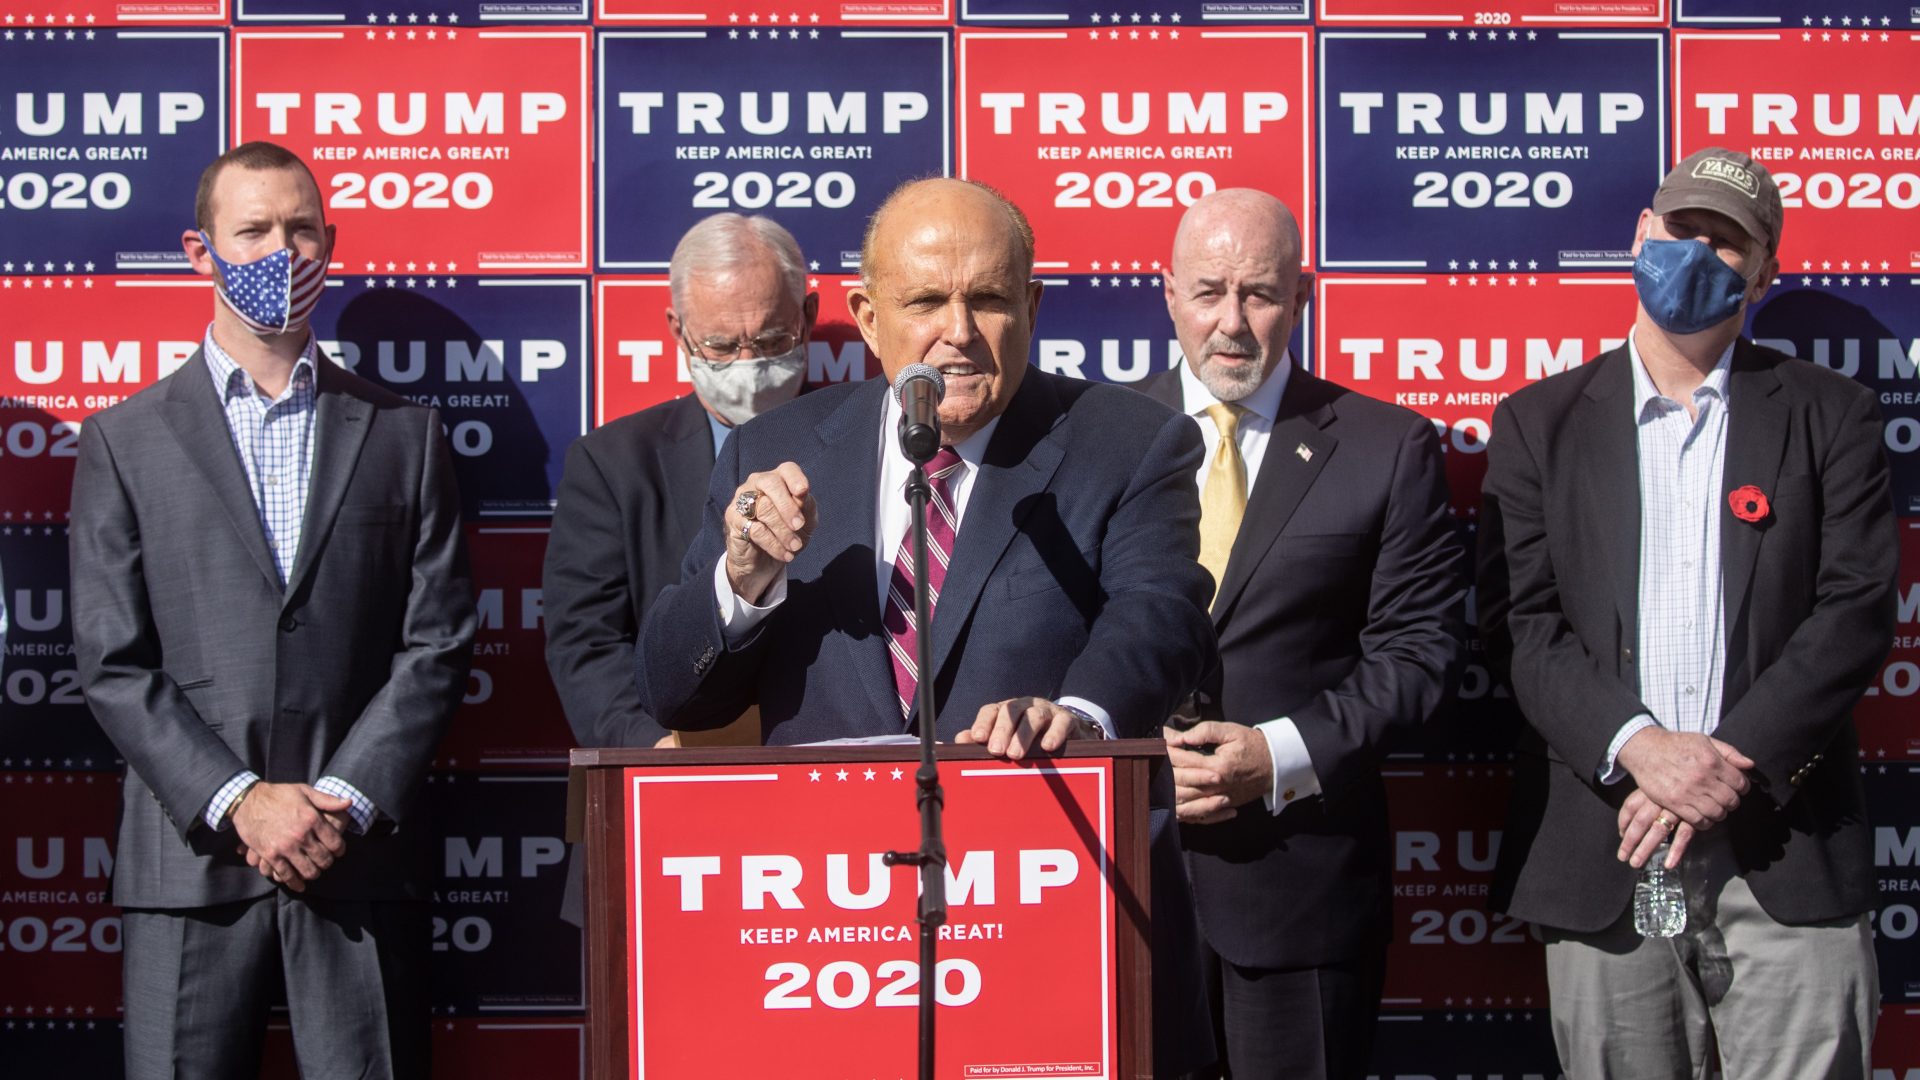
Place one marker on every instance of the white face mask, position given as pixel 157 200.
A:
pixel 740 390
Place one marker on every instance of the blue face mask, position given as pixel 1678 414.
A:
pixel 1685 286
pixel 271 295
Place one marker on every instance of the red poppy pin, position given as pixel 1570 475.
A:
pixel 1749 504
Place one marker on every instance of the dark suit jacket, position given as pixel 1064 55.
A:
pixel 1343 607
pixel 1809 615
pixel 198 664
pixel 1074 573
pixel 629 506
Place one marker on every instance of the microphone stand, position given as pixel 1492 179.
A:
pixel 932 856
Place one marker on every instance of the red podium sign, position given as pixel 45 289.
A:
pixel 772 941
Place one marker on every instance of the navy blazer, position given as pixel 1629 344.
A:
pixel 1809 594
pixel 1074 572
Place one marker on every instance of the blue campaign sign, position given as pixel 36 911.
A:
pixel 44 721
pixel 415 14
pixel 1891 790
pixel 102 145
pixel 810 126
pixel 1879 14
pixel 1534 147
pixel 500 869
pixel 504 360
pixel 1866 326
pixel 1114 327
pixel 1163 14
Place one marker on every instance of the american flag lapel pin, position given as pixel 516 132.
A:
pixel 1305 452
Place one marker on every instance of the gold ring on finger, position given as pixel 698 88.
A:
pixel 1663 821
pixel 744 503
pixel 745 528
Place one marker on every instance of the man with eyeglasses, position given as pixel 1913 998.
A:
pixel 630 500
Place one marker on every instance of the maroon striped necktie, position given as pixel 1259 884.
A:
pixel 902 634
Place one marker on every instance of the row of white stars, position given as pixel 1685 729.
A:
pixel 8 267
pixel 394 19
pixel 394 267
pixel 394 283
pixel 85 763
pixel 1845 20
pixel 54 1025
pixel 1133 35
pixel 1131 282
pixel 1807 35
pixel 1845 264
pixel 1151 17
pixel 842 774
pixel 70 20
pixel 50 35
pixel 772 17
pixel 27 530
pixel 47 780
pixel 1493 264
pixel 1864 280
pixel 49 1010
pixel 1114 264
pixel 45 283
pixel 1492 280
pixel 1493 35
pixel 412 34
pixel 27 517
pixel 773 35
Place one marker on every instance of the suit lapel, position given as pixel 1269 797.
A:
pixel 1756 440
pixel 340 425
pixel 1306 408
pixel 847 459
pixel 199 424
pixel 1603 425
pixel 685 457
pixel 1019 462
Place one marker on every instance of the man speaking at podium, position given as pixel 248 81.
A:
pixel 1063 542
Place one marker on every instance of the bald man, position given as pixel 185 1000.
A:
pixel 1340 612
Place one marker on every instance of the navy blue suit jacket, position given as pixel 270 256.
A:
pixel 1074 573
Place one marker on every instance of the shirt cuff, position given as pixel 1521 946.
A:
pixel 738 617
pixel 1091 711
pixel 1610 771
pixel 223 800
pixel 362 811
pixel 1293 775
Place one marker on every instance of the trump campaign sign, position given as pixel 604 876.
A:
pixel 1833 114
pixel 765 886
pixel 805 13
pixel 416 15
pixel 1879 14
pixel 1162 13
pixel 59 930
pixel 1865 326
pixel 510 716
pixel 1105 136
pixel 638 363
pixel 1447 948
pixel 44 719
pixel 1885 716
pixel 812 127
pixel 103 143
pixel 1896 862
pixel 1114 327
pixel 1453 346
pixel 1495 13
pixel 71 346
pixel 1535 145
pixel 503 359
pixel 459 150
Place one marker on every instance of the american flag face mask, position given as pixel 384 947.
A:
pixel 272 295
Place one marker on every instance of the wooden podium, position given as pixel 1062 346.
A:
pixel 675 848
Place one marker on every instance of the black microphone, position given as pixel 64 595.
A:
pixel 918 388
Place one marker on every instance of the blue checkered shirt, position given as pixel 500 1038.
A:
pixel 1682 632
pixel 274 438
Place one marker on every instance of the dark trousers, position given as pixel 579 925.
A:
pixel 1304 1024
pixel 199 981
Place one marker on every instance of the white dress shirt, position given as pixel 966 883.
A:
pixel 1682 633
pixel 892 519
pixel 1293 775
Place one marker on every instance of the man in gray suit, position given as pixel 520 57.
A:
pixel 274 620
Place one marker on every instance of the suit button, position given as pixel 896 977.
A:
pixel 1627 655
pixel 288 623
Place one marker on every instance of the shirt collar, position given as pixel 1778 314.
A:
pixel 231 380
pixel 1264 401
pixel 1645 392
pixel 971 449
pixel 720 431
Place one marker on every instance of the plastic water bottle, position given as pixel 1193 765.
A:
pixel 1659 899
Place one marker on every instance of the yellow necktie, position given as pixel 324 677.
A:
pixel 1223 500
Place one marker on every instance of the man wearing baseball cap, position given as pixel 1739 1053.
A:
pixel 1687 560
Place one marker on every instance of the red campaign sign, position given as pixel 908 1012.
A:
pixel 1453 346
pixel 456 150
pixel 1496 13
pixel 1105 137
pixel 472 1050
pixel 511 716
pixel 59 931
pixel 790 13
pixel 1832 114
pixel 71 346
pixel 1885 717
pixel 76 14
pixel 638 364
pixel 1896 1043
pixel 762 886
pixel 1447 948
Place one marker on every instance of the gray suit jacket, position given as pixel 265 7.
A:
pixel 198 664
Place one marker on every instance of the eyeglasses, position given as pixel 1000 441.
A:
pixel 720 350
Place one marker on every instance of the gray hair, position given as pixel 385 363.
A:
pixel 724 242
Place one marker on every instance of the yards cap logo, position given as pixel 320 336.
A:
pixel 1727 173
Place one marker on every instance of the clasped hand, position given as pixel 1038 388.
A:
pixel 290 832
